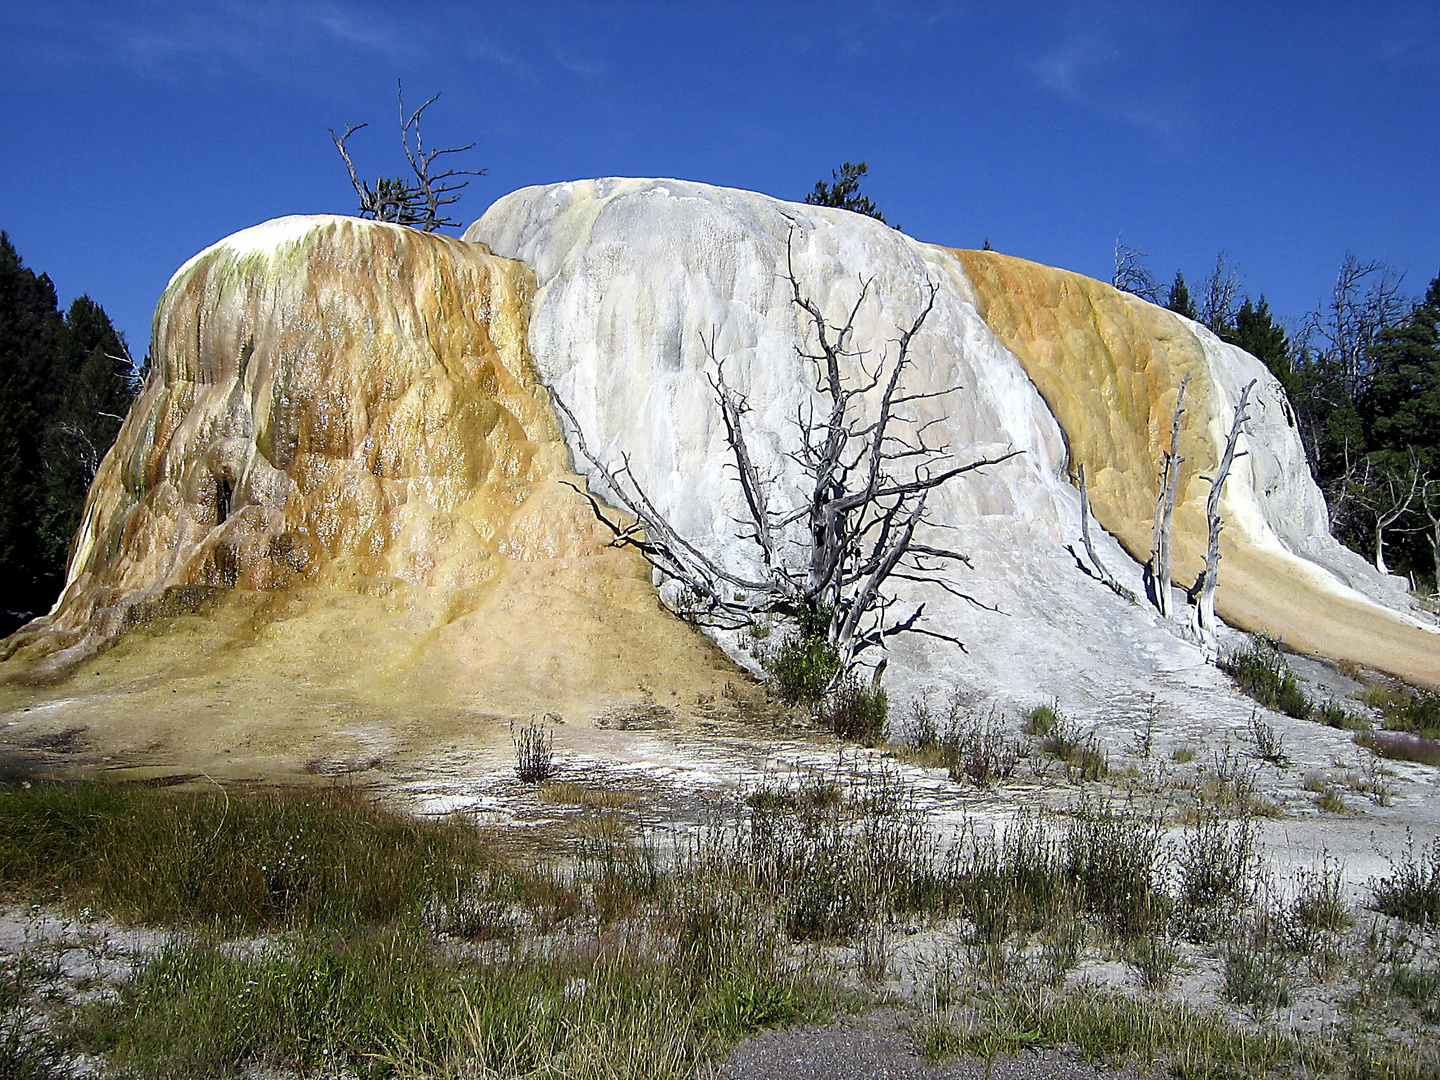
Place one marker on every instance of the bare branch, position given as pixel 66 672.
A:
pixel 1202 596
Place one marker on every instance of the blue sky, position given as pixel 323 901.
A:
pixel 136 133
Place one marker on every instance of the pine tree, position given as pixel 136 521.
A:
pixel 1257 332
pixel 1179 299
pixel 845 192
pixel 1403 407
pixel 62 393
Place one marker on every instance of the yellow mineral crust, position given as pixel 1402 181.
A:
pixel 1109 366
pixel 342 453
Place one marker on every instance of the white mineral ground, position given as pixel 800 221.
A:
pixel 335 537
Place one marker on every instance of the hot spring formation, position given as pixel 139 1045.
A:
pixel 348 409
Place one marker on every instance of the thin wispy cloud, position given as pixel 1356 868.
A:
pixel 579 66
pixel 262 37
pixel 1065 68
pixel 1096 73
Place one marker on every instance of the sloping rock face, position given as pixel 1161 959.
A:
pixel 350 425
pixel 1109 367
pixel 634 276
pixel 344 459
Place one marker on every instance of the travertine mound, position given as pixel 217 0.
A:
pixel 349 425
pixel 344 461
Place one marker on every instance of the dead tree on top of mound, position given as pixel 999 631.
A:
pixel 394 199
pixel 1202 596
pixel 1132 275
pixel 1157 570
pixel 825 560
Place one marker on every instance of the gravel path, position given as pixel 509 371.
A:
pixel 869 1047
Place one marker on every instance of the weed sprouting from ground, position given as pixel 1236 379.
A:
pixel 1260 671
pixel 1317 911
pixel 970 743
pixel 1255 973
pixel 1269 746
pixel 1154 956
pixel 1062 740
pixel 856 710
pixel 534 752
pixel 1411 891
pixel 979 749
pixel 27 1050
pixel 1041 720
pixel 1333 714
pixel 1216 872
pixel 1111 851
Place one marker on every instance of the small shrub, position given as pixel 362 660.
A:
pixel 1412 889
pixel 1260 672
pixel 1041 720
pixel 979 751
pixel 1255 975
pixel 534 752
pixel 856 710
pixel 804 662
pixel 1268 743
pixel 1402 746
pixel 1330 801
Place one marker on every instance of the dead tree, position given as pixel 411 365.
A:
pixel 1219 294
pixel 1386 495
pixel 1365 300
pixel 394 199
pixel 1429 507
pixel 1202 596
pixel 1101 572
pixel 1157 571
pixel 1132 275
pixel 825 560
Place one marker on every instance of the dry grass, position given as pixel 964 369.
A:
pixel 571 793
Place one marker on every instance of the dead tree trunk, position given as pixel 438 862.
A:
pixel 1392 502
pixel 1202 596
pixel 1100 569
pixel 1157 571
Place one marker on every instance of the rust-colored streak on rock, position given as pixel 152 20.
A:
pixel 1109 366
pixel 339 512
pixel 333 402
pixel 1109 369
